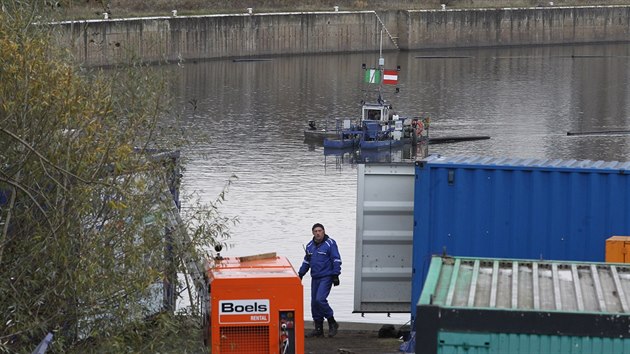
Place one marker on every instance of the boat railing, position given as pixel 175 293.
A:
pixel 337 124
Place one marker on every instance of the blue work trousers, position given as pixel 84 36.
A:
pixel 320 288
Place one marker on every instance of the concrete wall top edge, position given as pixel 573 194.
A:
pixel 216 15
pixel 328 13
pixel 524 8
pixel 307 13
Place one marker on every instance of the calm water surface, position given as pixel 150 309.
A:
pixel 249 119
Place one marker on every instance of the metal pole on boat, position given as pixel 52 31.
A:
pixel 381 61
pixel 381 65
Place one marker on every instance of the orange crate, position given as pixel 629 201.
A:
pixel 618 249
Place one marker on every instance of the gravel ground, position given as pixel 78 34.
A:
pixel 352 338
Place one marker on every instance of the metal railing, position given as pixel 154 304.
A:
pixel 392 38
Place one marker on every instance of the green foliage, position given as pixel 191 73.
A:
pixel 84 206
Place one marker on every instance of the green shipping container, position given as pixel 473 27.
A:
pixel 507 306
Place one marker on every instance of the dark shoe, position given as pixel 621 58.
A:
pixel 318 331
pixel 333 326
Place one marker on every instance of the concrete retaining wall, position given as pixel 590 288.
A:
pixel 107 42
pixel 519 26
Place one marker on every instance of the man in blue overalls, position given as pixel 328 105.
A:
pixel 323 259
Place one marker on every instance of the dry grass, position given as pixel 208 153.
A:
pixel 84 9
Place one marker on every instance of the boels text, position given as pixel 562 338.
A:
pixel 238 307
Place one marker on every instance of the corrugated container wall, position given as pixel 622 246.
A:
pixel 516 208
pixel 492 305
pixel 384 241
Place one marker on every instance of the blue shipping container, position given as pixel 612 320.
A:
pixel 516 208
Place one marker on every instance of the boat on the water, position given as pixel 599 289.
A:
pixel 383 128
pixel 378 126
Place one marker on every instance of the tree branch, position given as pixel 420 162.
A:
pixel 41 209
pixel 28 146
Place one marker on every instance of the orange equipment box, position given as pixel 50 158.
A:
pixel 618 249
pixel 256 306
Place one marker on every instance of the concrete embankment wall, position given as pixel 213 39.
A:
pixel 517 26
pixel 103 42
pixel 112 41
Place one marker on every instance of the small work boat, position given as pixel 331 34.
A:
pixel 382 128
pixel 379 126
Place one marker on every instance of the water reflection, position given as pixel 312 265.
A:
pixel 399 154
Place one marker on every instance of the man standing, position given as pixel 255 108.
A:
pixel 323 259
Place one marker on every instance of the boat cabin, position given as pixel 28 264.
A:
pixel 375 112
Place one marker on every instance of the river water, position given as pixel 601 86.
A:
pixel 249 119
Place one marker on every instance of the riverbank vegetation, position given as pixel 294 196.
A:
pixel 84 9
pixel 88 179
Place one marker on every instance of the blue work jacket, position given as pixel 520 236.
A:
pixel 322 259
